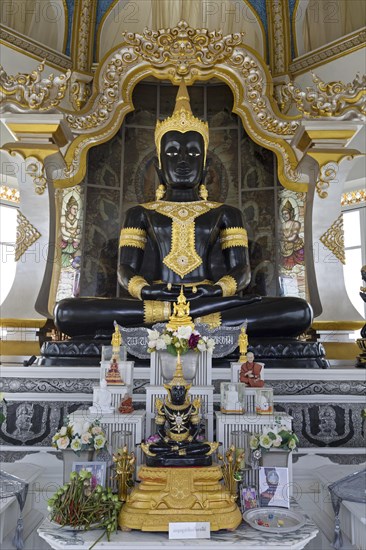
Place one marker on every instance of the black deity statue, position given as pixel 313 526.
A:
pixel 178 422
pixel 182 226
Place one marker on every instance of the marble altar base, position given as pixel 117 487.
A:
pixel 168 495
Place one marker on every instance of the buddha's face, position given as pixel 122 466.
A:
pixel 178 394
pixel 182 159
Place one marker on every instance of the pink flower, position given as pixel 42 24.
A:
pixel 63 442
pixel 97 430
pixel 85 438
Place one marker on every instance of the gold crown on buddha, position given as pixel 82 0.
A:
pixel 182 120
pixel 178 378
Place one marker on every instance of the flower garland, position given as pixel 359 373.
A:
pixel 80 436
pixel 181 340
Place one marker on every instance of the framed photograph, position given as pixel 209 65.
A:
pixel 248 498
pixel 274 487
pixel 97 469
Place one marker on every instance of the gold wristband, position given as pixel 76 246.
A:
pixel 135 285
pixel 155 311
pixel 233 236
pixel 228 285
pixel 213 320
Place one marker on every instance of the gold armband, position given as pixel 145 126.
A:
pixel 228 285
pixel 233 236
pixel 160 420
pixel 155 311
pixel 131 236
pixel 135 285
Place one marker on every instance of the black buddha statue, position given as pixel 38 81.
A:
pixel 178 422
pixel 182 227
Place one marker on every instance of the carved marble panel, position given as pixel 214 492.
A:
pixel 34 422
pixel 326 424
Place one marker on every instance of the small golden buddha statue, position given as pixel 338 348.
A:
pixel 243 344
pixel 180 316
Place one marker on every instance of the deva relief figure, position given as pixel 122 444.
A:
pixel 181 228
pixel 70 233
pixel 292 245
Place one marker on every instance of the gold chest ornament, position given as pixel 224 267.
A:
pixel 183 257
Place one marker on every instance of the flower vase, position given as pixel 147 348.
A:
pixel 69 457
pixel 168 364
pixel 276 458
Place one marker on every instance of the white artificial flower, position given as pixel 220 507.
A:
pixel 277 442
pixel 85 427
pixel 151 344
pixel 167 339
pixel 85 438
pixel 63 430
pixel 253 442
pixel 153 334
pixel 210 344
pixel 184 332
pixel 76 444
pixel 265 441
pixel 202 346
pixel 99 441
pixel 160 344
pixel 292 444
pixel 76 428
pixel 63 442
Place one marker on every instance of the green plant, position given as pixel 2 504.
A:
pixel 78 505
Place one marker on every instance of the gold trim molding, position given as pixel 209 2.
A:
pixel 27 234
pixel 279 36
pixel 31 48
pixel 22 323
pixel 353 197
pixel 328 53
pixel 337 325
pixel 31 91
pixel 195 54
pixel 333 239
pixel 9 194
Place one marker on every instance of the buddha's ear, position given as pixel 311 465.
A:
pixel 205 169
pixel 158 169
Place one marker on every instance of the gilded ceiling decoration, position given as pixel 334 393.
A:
pixel 27 234
pixel 333 239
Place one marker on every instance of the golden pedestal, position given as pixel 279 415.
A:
pixel 179 494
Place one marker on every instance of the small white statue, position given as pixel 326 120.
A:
pixel 102 399
pixel 232 402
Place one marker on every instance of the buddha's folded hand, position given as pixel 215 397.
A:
pixel 160 291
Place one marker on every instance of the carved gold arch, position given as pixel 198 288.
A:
pixel 173 54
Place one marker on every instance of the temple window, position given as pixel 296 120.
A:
pixel 8 228
pixel 354 223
